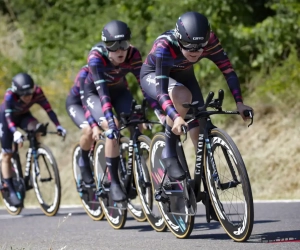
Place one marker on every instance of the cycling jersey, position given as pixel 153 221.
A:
pixel 105 77
pixel 14 107
pixel 76 90
pixel 166 60
pixel 75 105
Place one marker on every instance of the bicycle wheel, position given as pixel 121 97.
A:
pixel 115 216
pixel 134 204
pixel 46 181
pixel 19 185
pixel 144 186
pixel 232 199
pixel 181 225
pixel 87 196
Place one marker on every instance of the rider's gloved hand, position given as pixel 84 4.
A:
pixel 18 137
pixel 61 131
pixel 160 115
pixel 112 132
pixel 177 126
pixel 241 108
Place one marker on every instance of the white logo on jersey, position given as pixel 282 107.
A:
pixel 150 80
pixel 72 112
pixel 89 103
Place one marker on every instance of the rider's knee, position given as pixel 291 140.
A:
pixel 32 125
pixel 87 131
pixel 6 157
pixel 181 94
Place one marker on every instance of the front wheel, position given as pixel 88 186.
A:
pixel 46 180
pixel 19 186
pixel 115 216
pixel 87 196
pixel 134 204
pixel 176 212
pixel 231 196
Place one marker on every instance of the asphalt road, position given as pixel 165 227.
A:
pixel 33 230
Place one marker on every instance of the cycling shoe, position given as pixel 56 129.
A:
pixel 86 175
pixel 117 193
pixel 14 200
pixel 174 169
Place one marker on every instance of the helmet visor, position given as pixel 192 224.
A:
pixel 116 45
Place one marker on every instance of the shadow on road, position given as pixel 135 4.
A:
pixel 280 236
pixel 141 228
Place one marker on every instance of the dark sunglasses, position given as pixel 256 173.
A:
pixel 26 92
pixel 116 45
pixel 192 47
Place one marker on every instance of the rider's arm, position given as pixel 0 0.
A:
pixel 164 62
pixel 44 103
pixel 9 100
pixel 216 53
pixel 80 79
pixel 136 63
pixel 97 67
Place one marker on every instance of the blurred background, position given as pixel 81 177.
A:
pixel 50 40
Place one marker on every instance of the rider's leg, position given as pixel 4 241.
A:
pixel 77 114
pixel 112 157
pixel 85 143
pixel 178 95
pixel 6 166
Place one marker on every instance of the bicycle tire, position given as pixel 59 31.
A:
pixel 115 217
pixel 237 231
pixel 180 225
pixel 51 206
pixel 87 197
pixel 4 191
pixel 134 205
pixel 146 193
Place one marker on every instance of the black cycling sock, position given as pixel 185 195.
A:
pixel 84 160
pixel 10 185
pixel 113 165
pixel 171 139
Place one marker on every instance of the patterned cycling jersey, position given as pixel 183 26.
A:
pixel 13 106
pixel 77 88
pixel 103 75
pixel 166 58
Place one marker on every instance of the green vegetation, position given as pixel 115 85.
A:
pixel 50 39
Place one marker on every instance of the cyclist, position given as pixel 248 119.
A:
pixel 106 88
pixel 14 112
pixel 79 114
pixel 167 75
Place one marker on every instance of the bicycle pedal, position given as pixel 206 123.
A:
pixel 160 198
pixel 101 193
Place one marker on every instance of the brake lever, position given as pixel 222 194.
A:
pixel 249 113
pixel 184 129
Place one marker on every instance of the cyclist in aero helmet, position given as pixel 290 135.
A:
pixel 167 75
pixel 106 88
pixel 14 112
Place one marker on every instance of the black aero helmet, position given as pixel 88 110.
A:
pixel 192 28
pixel 116 31
pixel 22 84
